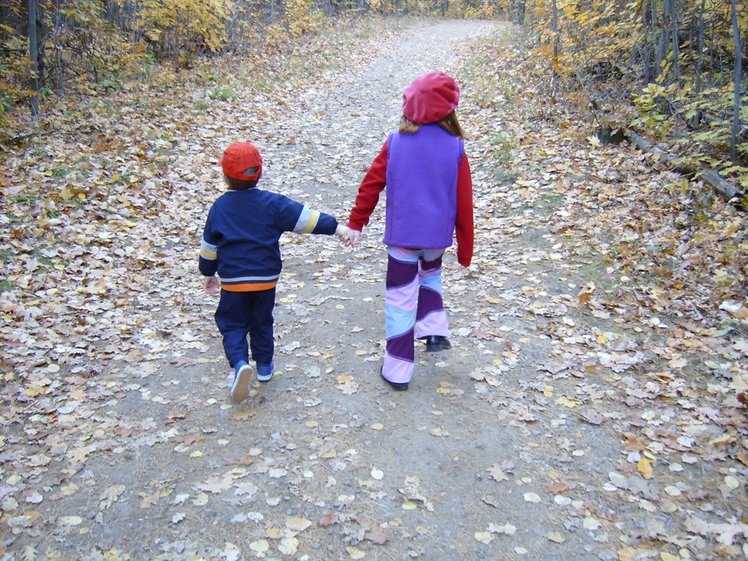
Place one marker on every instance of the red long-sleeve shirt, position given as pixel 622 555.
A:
pixel 375 181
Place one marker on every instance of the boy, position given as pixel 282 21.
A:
pixel 240 243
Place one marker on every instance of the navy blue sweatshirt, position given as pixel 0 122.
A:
pixel 240 239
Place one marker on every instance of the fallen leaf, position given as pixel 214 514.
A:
pixel 260 547
pixel 288 546
pixel 497 473
pixel 377 535
pixel 531 497
pixel 484 537
pixel 556 537
pixel 506 529
pixel 644 465
pixel 297 523
pixel 355 552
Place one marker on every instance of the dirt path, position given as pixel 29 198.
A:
pixel 506 447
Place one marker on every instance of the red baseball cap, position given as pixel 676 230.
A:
pixel 430 98
pixel 239 158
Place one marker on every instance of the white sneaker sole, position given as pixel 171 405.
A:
pixel 265 378
pixel 240 388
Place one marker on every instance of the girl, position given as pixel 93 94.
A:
pixel 429 197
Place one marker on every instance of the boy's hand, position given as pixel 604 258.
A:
pixel 348 236
pixel 212 285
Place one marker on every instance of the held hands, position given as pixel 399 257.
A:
pixel 348 236
pixel 212 285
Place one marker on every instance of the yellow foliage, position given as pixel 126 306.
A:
pixel 300 18
pixel 188 24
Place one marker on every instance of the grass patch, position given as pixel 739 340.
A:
pixel 596 271
pixel 549 201
pixel 201 105
pixel 221 93
pixel 502 148
pixel 25 199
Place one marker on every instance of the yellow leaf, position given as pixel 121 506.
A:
pixel 732 229
pixel 726 437
pixel 566 402
pixel 628 554
pixel 275 533
pixel 32 391
pixel 355 552
pixel 645 468
pixel 259 546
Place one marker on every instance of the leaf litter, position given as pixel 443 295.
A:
pixel 600 340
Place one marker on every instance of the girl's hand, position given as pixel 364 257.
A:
pixel 348 236
pixel 212 285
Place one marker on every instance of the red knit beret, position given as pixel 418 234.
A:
pixel 240 157
pixel 430 98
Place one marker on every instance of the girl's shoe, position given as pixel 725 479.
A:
pixel 240 386
pixel 436 343
pixel 265 372
pixel 397 386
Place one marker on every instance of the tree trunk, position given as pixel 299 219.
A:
pixel 675 39
pixel 517 11
pixel 700 48
pixel 669 34
pixel 555 37
pixel 656 44
pixel 59 22
pixel 646 48
pixel 738 78
pixel 34 54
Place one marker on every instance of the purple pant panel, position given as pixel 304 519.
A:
pixel 413 297
pixel 397 370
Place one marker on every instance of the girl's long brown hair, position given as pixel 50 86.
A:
pixel 450 123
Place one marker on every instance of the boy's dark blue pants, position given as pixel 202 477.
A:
pixel 247 313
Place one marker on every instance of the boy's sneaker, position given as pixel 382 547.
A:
pixel 265 372
pixel 240 387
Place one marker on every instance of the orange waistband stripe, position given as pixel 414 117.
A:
pixel 249 286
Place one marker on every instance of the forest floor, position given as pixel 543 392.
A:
pixel 586 411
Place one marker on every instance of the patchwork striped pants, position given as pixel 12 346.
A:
pixel 413 306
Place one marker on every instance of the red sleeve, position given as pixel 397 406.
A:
pixel 464 222
pixel 368 192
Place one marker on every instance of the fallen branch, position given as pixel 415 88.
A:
pixel 18 139
pixel 711 177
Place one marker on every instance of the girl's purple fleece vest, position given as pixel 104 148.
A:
pixel 422 188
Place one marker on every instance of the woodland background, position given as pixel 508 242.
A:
pixel 672 71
